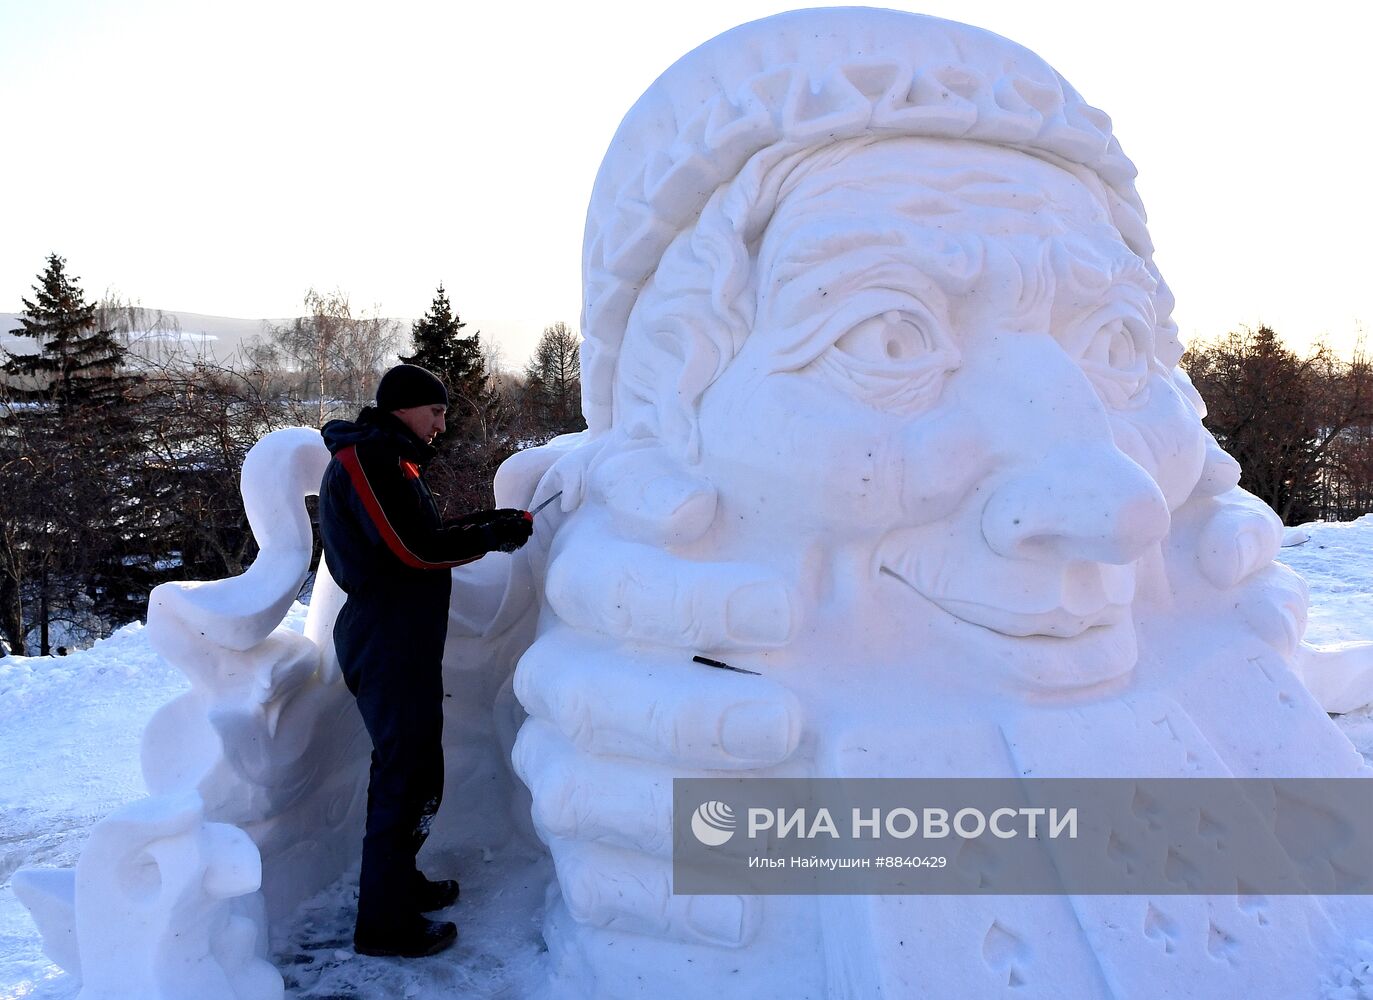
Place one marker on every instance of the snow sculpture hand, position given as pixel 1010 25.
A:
pixel 617 707
pixel 609 730
pixel 1232 537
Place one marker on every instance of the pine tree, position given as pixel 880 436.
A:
pixel 441 347
pixel 474 443
pixel 435 337
pixel 72 527
pixel 77 364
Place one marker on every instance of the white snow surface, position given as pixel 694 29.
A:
pixel 70 730
pixel 1336 559
pixel 1338 567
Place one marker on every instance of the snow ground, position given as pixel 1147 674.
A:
pixel 70 730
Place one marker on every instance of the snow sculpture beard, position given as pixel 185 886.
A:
pixel 912 382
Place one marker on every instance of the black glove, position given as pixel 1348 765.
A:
pixel 510 531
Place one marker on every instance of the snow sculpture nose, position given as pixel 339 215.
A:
pixel 1081 503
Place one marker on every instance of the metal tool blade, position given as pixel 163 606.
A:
pixel 546 503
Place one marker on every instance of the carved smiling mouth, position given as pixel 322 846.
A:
pixel 1063 605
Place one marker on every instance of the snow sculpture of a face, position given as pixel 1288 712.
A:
pixel 883 404
pixel 950 393
pixel 913 380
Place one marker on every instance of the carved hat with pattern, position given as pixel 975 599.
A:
pixel 802 80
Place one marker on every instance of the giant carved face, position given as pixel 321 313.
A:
pixel 948 401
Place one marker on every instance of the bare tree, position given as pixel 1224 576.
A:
pixel 201 420
pixel 336 357
pixel 553 383
pixel 1291 421
pixel 147 335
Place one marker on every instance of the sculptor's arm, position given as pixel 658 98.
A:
pixel 388 509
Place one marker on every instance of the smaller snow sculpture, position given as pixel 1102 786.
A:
pixel 170 908
pixel 257 776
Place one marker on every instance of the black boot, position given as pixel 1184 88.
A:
pixel 414 937
pixel 430 895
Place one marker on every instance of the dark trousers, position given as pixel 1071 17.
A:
pixel 390 649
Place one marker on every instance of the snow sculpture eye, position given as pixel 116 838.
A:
pixel 895 360
pixel 1117 358
pixel 893 336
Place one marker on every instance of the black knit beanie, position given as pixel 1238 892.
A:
pixel 405 386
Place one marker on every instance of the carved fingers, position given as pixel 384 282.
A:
pixel 1274 603
pixel 610 729
pixel 1241 537
pixel 578 796
pixel 1234 538
pixel 619 890
pixel 608 824
pixel 603 583
pixel 657 705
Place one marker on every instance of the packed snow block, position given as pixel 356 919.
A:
pixel 240 612
pixel 883 406
pixel 326 601
pixel 49 894
pixel 167 908
pixel 1339 675
pixel 281 753
pixel 259 770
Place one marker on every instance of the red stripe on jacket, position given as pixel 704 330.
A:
pixel 348 457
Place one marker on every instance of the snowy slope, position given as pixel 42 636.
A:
pixel 1337 561
pixel 69 734
pixel 69 737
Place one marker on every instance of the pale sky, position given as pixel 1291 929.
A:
pixel 224 157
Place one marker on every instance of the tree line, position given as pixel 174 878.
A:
pixel 121 442
pixel 1299 424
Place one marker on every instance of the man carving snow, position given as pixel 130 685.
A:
pixel 392 555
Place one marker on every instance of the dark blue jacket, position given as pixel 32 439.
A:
pixel 377 518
